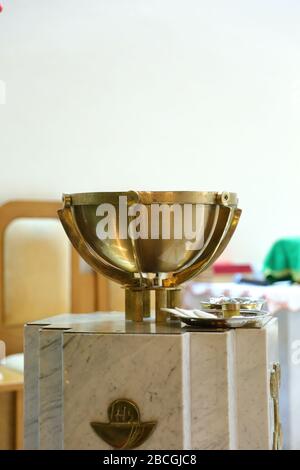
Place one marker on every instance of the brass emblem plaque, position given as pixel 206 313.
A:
pixel 124 429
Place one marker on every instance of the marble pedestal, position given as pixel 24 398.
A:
pixel 204 390
pixel 289 356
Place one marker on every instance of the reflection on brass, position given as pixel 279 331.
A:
pixel 137 304
pixel 153 263
pixel 161 301
pixel 147 303
pixel 230 309
pixel 174 299
pixel 274 390
pixel 245 303
pixel 124 429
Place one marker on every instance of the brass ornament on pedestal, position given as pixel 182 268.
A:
pixel 155 262
pixel 124 430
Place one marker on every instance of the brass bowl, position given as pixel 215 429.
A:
pixel 152 255
pixel 145 255
pixel 152 262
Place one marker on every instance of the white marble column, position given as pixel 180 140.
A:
pixel 289 355
pixel 205 390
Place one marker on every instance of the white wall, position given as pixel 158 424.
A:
pixel 156 94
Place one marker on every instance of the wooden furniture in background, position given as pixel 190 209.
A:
pixel 88 291
pixel 11 409
pixel 41 275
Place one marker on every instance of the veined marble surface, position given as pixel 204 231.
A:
pixel 206 390
pixel 256 351
pixel 147 369
pixel 289 353
pixel 31 387
pixel 51 390
pixel 212 374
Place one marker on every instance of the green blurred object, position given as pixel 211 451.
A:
pixel 282 263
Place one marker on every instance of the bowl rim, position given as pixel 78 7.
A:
pixel 154 197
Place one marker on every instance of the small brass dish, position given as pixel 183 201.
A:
pixel 245 303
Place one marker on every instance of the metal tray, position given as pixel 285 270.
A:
pixel 246 303
pixel 249 321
